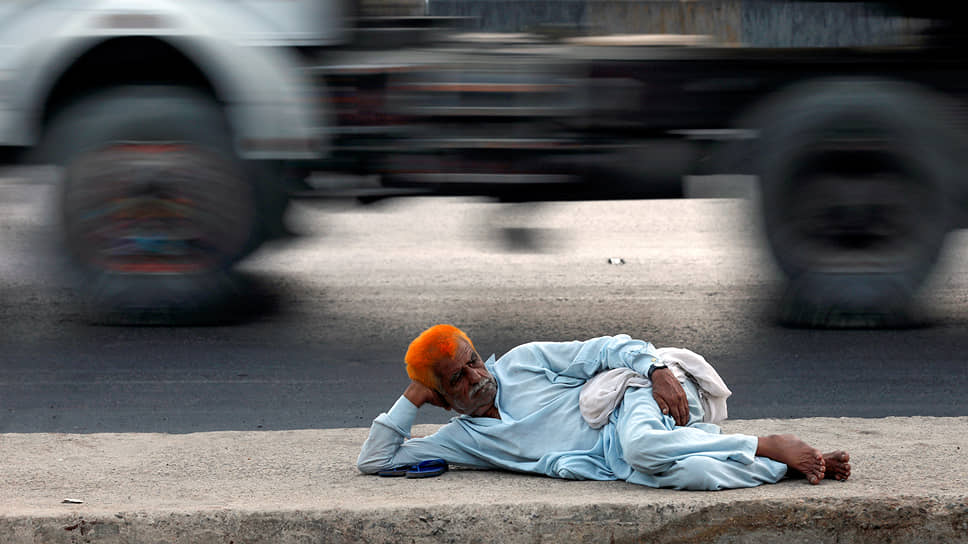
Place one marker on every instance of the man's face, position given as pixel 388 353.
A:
pixel 465 384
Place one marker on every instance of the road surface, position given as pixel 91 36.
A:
pixel 320 341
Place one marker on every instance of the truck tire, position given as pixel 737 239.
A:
pixel 155 205
pixel 857 192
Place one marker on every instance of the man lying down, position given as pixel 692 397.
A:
pixel 609 408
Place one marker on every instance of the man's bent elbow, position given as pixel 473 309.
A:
pixel 369 466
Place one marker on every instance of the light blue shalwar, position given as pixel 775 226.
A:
pixel 542 431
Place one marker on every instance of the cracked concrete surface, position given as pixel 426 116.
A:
pixel 909 484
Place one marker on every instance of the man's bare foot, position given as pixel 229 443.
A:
pixel 837 465
pixel 795 453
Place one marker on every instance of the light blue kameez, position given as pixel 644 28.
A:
pixel 541 429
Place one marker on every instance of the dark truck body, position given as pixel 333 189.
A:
pixel 614 122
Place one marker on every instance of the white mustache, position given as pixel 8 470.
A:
pixel 481 385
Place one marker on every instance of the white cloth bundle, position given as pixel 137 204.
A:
pixel 601 395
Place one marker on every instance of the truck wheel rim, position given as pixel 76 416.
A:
pixel 156 208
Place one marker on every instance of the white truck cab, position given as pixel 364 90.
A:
pixel 243 49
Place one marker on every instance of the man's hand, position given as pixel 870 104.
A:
pixel 419 394
pixel 670 396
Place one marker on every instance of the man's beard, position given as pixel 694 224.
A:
pixel 486 389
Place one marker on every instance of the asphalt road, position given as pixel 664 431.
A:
pixel 330 315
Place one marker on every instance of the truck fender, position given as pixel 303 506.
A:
pixel 270 105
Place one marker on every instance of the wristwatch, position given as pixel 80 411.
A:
pixel 654 367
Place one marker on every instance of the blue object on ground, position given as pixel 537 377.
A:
pixel 423 469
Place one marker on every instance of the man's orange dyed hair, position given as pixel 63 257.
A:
pixel 433 345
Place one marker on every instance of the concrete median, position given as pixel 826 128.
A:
pixel 909 484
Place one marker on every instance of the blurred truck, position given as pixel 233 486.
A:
pixel 183 129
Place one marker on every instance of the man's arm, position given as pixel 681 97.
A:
pixel 419 394
pixel 389 443
pixel 583 360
